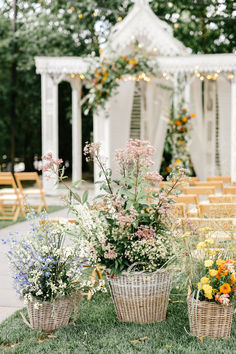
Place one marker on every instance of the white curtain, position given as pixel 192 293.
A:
pixel 156 104
pixel 224 101
pixel 119 110
pixel 197 143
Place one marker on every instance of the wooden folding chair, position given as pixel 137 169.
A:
pixel 217 210
pixel 229 190
pixel 224 179
pixel 216 184
pixel 11 200
pixel 179 210
pixel 224 198
pixel 31 192
pixel 201 190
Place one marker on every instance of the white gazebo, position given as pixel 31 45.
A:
pixel 209 83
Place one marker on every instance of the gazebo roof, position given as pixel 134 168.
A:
pixel 153 34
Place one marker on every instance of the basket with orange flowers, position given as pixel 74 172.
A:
pixel 213 282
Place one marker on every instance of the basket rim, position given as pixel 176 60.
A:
pixel 66 297
pixel 208 303
pixel 136 273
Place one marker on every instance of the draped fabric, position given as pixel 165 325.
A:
pixel 156 104
pixel 224 101
pixel 196 147
pixel 117 122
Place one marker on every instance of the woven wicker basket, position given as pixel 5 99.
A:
pixel 141 297
pixel 208 319
pixel 53 315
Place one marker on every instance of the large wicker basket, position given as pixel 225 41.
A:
pixel 141 297
pixel 208 319
pixel 52 315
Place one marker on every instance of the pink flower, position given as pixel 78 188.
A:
pixel 126 219
pixel 50 162
pixel 145 232
pixel 223 298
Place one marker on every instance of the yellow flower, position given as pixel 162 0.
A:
pixel 184 119
pixel 204 280
pixel 207 291
pixel 219 262
pixel 187 234
pixel 210 241
pixel 201 245
pixel 205 229
pixel 208 263
pixel 212 272
pixel 180 142
pixel 178 160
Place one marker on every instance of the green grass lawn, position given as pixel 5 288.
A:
pixel 97 330
pixel 6 223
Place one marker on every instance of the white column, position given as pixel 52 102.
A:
pixel 233 128
pixel 76 130
pixel 49 92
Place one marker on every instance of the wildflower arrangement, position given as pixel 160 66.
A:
pixel 211 270
pixel 103 82
pixel 178 138
pixel 129 222
pixel 43 268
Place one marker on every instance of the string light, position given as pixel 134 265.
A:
pixel 211 76
pixel 95 14
pixel 120 19
pixel 176 25
pixel 73 76
pixel 82 76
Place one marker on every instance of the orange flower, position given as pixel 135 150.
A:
pixel 178 122
pixel 225 288
pixel 184 109
pixel 123 58
pixel 233 277
pixel 193 115
pixel 184 119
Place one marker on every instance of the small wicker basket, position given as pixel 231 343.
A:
pixel 141 297
pixel 208 319
pixel 52 315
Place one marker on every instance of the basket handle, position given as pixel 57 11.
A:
pixel 25 320
pixel 133 265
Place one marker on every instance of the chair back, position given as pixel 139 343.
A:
pixel 27 176
pixel 226 224
pixel 229 190
pixel 224 198
pixel 8 180
pixel 224 179
pixel 179 210
pixel 186 198
pixel 200 190
pixel 218 210
pixel 216 184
